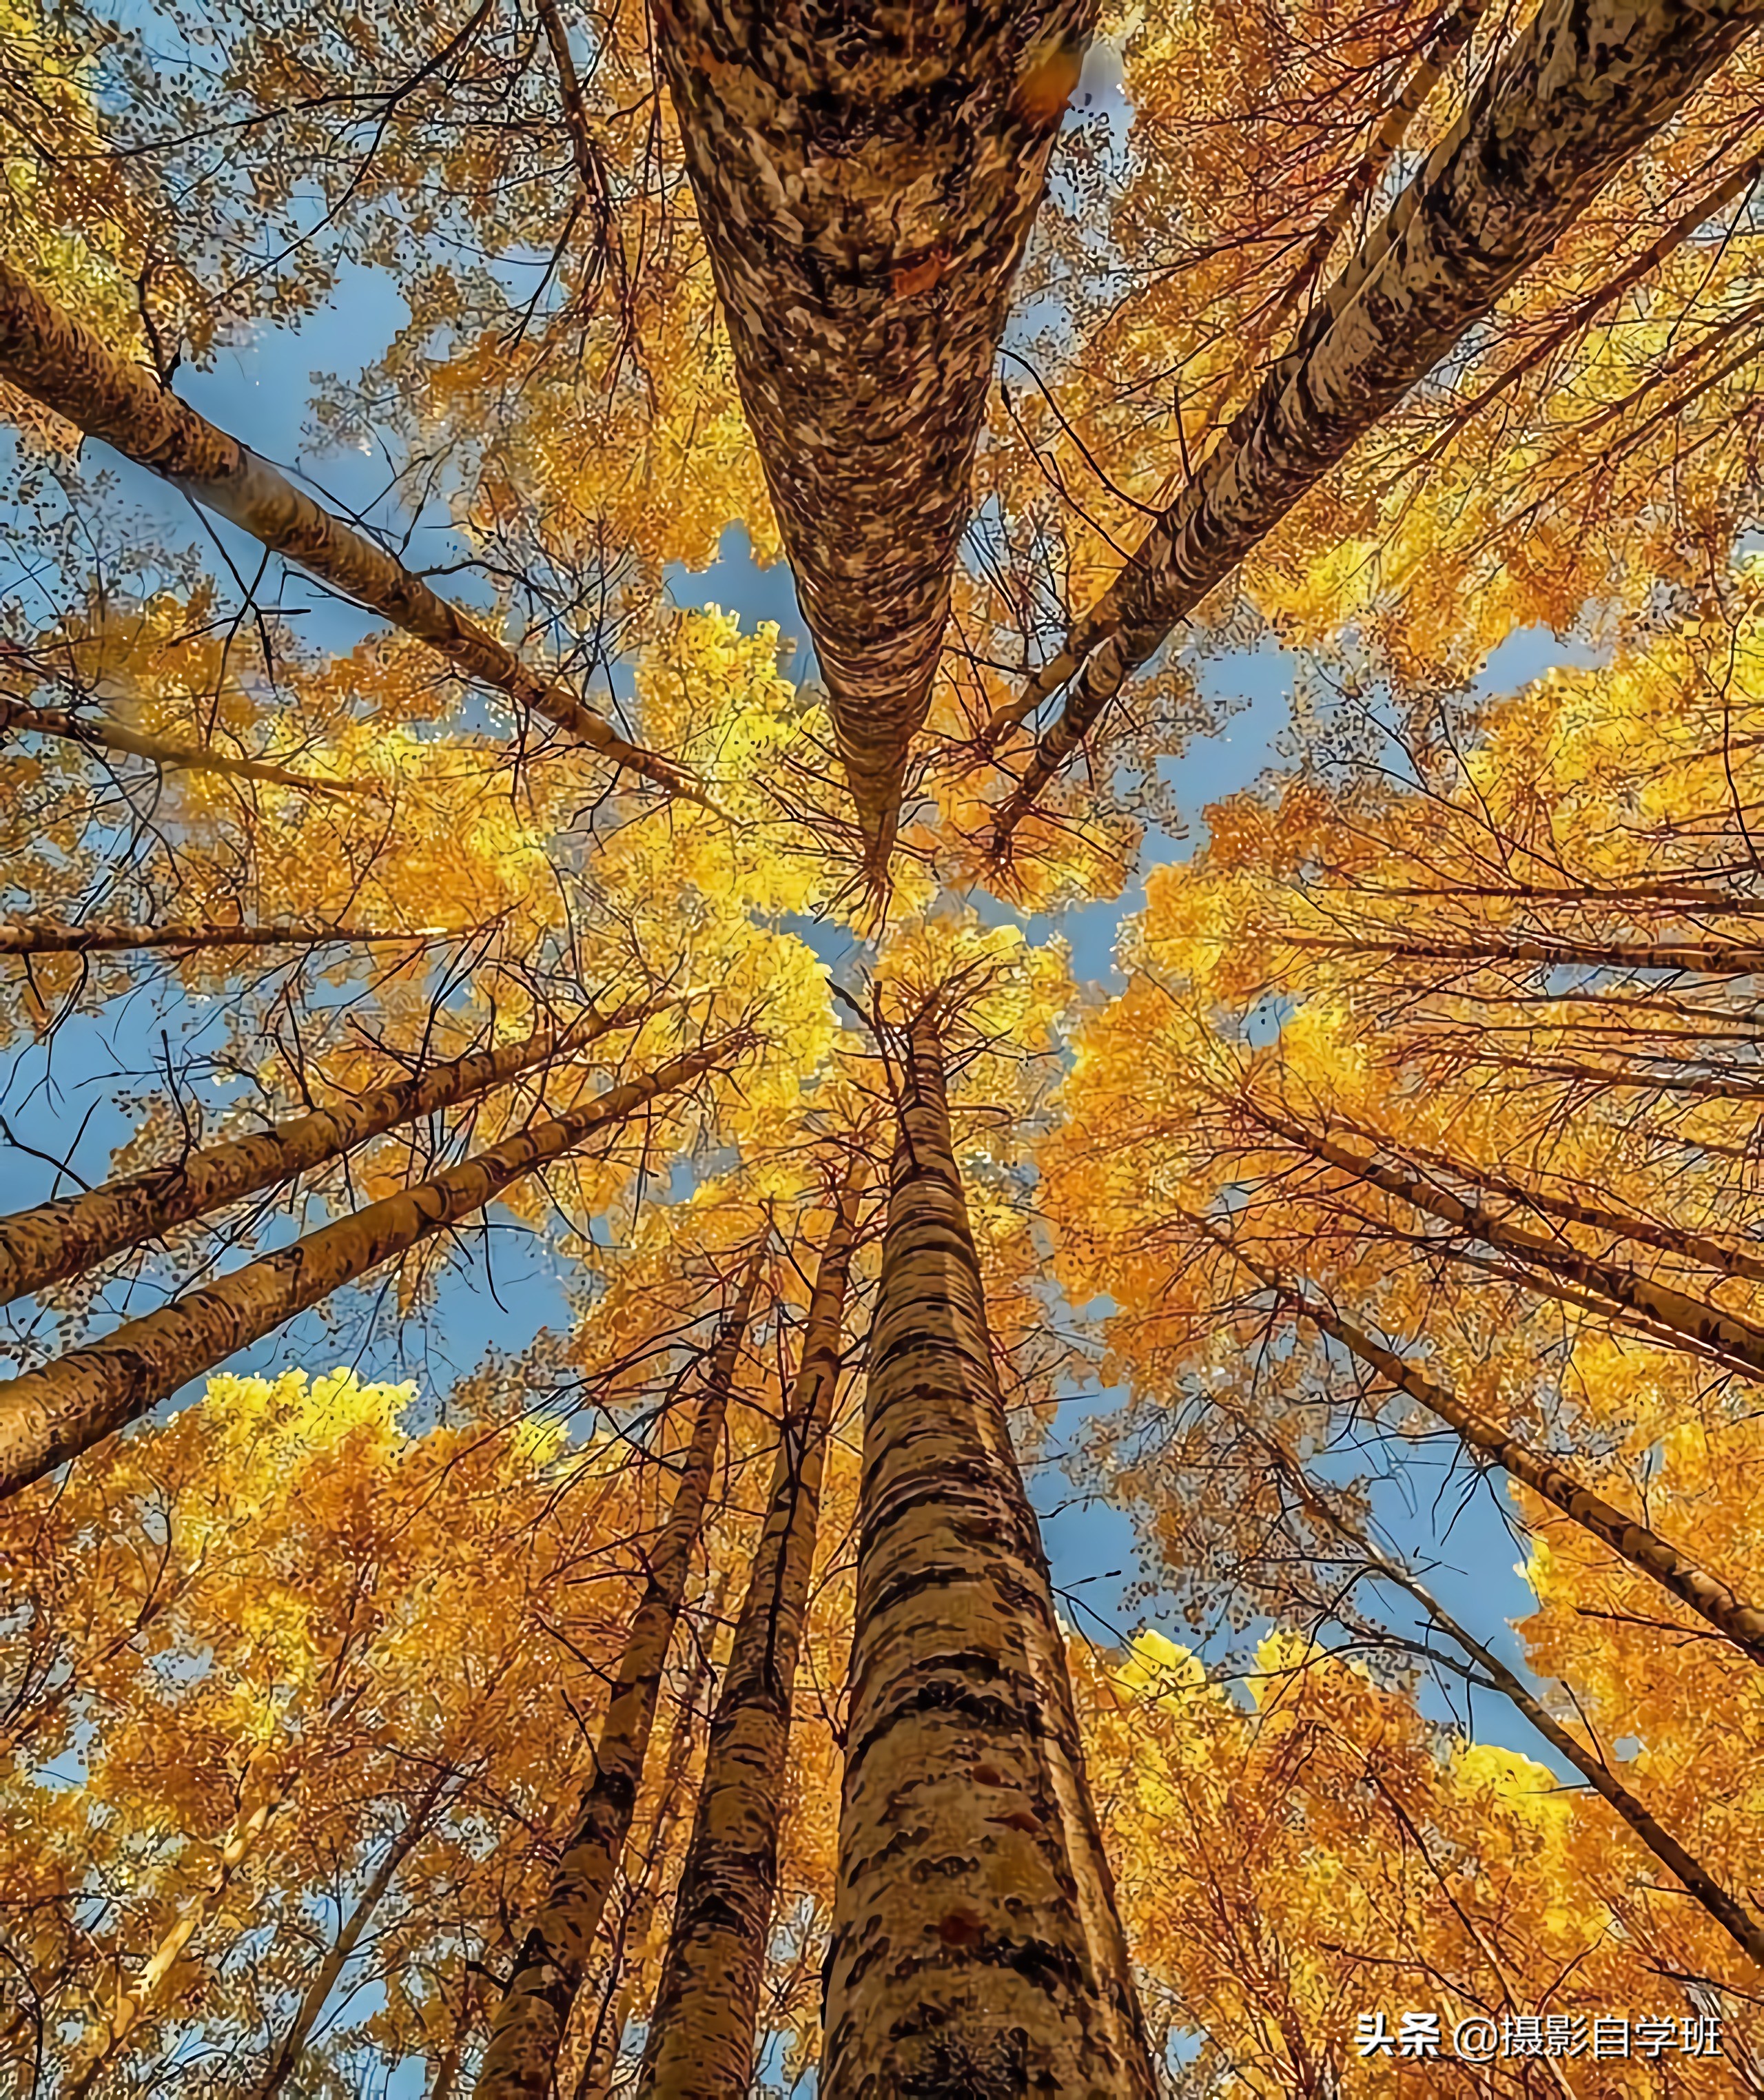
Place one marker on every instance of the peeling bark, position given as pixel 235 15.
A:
pixel 867 180
pixel 60 361
pixel 527 2035
pixel 977 1953
pixel 702 2031
pixel 17 719
pixel 55 1241
pixel 52 1415
pixel 1706 1593
pixel 1573 101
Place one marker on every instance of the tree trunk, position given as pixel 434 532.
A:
pixel 57 361
pixel 1574 99
pixel 1700 958
pixel 631 1953
pixel 1732 1915
pixel 17 718
pixel 1682 1241
pixel 976 1953
pixel 317 1994
pixel 701 2033
pixel 1677 1312
pixel 526 2034
pixel 52 1415
pixel 57 1239
pixel 132 2007
pixel 1707 1594
pixel 863 257
pixel 46 936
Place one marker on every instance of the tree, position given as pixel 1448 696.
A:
pixel 429 949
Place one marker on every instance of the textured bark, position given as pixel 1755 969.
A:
pixel 316 1995
pixel 1732 1915
pixel 49 936
pixel 55 1241
pixel 701 2033
pixel 1428 71
pixel 527 2035
pixel 1708 959
pixel 52 1415
pixel 54 358
pixel 1706 1593
pixel 976 1952
pixel 866 179
pixel 17 719
pixel 1575 99
pixel 634 1951
pixel 1677 1312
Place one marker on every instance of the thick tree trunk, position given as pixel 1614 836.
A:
pixel 48 936
pixel 16 719
pixel 977 1953
pixel 1732 1915
pixel 289 2049
pixel 701 2033
pixel 57 361
pixel 55 1241
pixel 52 1415
pixel 1575 98
pixel 866 180
pixel 1706 1593
pixel 527 2035
pixel 1676 1311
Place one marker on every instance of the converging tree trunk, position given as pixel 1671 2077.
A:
pixel 1573 100
pixel 1706 1593
pixel 58 1240
pixel 866 180
pixel 526 2034
pixel 52 1415
pixel 59 361
pixel 977 1953
pixel 702 2031
pixel 634 1951
pixel 94 733
pixel 48 936
pixel 285 2058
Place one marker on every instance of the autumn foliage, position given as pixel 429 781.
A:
pixel 580 1190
